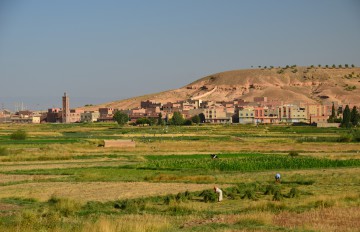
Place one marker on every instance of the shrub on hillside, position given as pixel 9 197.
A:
pixel 18 135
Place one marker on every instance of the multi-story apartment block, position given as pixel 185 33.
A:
pixel 246 115
pixel 264 114
pixel 292 114
pixel 318 113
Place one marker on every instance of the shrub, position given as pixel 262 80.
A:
pixel 3 151
pixel 188 122
pixel 18 135
pixel 345 138
pixel 293 153
pixel 356 135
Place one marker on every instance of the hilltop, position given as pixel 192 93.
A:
pixel 305 84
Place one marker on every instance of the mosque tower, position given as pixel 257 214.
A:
pixel 65 109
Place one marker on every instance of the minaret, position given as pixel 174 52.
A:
pixel 65 109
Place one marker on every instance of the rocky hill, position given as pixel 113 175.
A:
pixel 306 84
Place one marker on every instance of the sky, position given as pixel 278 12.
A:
pixel 102 51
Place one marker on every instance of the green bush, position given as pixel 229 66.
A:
pixel 293 153
pixel 18 135
pixel 345 138
pixel 3 151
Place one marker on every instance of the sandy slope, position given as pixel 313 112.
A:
pixel 303 84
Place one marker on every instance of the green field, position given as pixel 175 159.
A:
pixel 61 178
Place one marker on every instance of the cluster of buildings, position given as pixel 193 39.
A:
pixel 260 110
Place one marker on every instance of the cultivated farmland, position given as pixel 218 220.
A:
pixel 62 178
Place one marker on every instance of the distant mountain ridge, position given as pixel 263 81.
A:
pixel 305 84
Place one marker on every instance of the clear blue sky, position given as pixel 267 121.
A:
pixel 101 51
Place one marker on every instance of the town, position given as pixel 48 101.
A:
pixel 262 110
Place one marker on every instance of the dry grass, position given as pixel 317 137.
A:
pixel 265 218
pixel 68 164
pixel 126 223
pixel 329 219
pixel 97 191
pixel 13 178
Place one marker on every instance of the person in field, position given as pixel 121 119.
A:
pixel 277 178
pixel 219 192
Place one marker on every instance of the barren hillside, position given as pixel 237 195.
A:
pixel 288 84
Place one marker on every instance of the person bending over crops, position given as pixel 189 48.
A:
pixel 277 178
pixel 219 191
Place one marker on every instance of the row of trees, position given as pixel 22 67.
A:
pixel 177 119
pixel 349 118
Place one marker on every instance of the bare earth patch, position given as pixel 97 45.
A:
pixel 97 191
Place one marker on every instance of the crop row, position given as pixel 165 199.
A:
pixel 268 162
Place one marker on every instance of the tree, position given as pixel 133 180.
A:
pixel 177 119
pixel 188 122
pixel 332 118
pixel 354 116
pixel 353 66
pixel 326 66
pixel 319 65
pixel 340 66
pixel 195 119
pixel 142 121
pixel 202 117
pixel 334 66
pixel 160 121
pixel 346 65
pixel 121 118
pixel 152 121
pixel 346 117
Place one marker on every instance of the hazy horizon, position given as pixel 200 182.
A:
pixel 111 50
